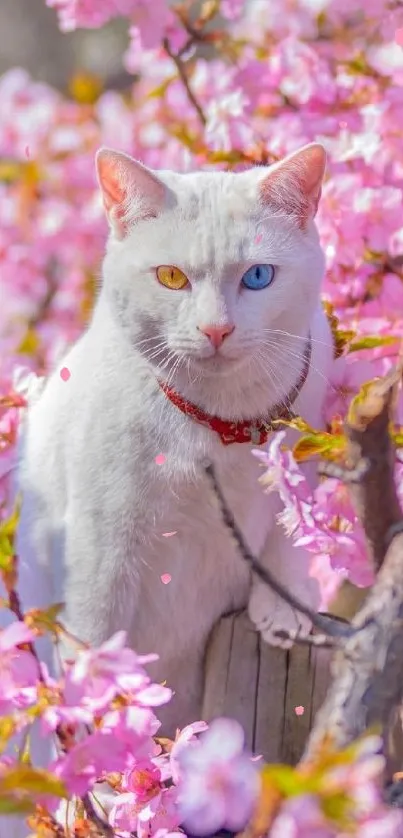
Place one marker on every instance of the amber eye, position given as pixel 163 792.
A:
pixel 172 277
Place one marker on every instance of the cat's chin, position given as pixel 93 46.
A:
pixel 217 365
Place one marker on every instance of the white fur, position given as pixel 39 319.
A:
pixel 96 504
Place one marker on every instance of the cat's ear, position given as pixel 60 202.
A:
pixel 293 186
pixel 130 191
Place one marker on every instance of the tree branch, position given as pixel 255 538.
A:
pixel 368 672
pixel 185 81
pixel 368 440
pixel 102 826
pixel 330 626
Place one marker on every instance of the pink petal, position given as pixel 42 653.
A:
pixel 115 643
pixel 65 374
pixel 14 635
pixel 154 695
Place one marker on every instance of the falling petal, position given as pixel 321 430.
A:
pixel 65 374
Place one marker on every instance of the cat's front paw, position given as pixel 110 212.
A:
pixel 271 614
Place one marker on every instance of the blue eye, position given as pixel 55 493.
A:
pixel 258 277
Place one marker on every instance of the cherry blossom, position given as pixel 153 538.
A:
pixel 19 671
pixel 218 783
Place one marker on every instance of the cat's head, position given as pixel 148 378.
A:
pixel 212 270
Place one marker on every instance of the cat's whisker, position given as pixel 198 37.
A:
pixel 151 337
pixel 285 351
pixel 171 373
pixel 269 370
pixel 155 345
pixel 166 365
pixel 179 359
pixel 271 374
pixel 285 355
pixel 169 361
pixel 198 374
pixel 290 360
pixel 155 354
pixel 159 358
pixel 148 344
pixel 288 353
pixel 283 333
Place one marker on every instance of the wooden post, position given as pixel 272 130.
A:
pixel 261 686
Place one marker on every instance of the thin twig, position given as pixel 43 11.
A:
pixel 185 81
pixel 44 306
pixel 331 627
pixel 15 607
pixel 103 827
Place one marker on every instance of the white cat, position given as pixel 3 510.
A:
pixel 210 287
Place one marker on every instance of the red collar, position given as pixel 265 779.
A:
pixel 256 431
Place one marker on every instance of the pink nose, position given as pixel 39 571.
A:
pixel 217 334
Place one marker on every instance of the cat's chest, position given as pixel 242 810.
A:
pixel 187 504
pixel 192 560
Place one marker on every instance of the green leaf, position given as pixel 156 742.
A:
pixel 372 342
pixel 46 619
pixel 31 781
pixel 7 536
pixel 8 527
pixel 284 778
pixel 30 343
pixel 11 806
pixel 10 171
pixel 159 91
pixel 359 399
pixel 341 337
pixel 337 807
pixel 289 781
pixel 7 730
pixel 6 553
pixel 232 157
pixel 297 423
pixel 310 445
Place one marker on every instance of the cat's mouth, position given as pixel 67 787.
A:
pixel 201 362
pixel 217 364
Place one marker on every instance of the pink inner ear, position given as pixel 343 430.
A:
pixel 312 168
pixel 113 191
pixel 130 191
